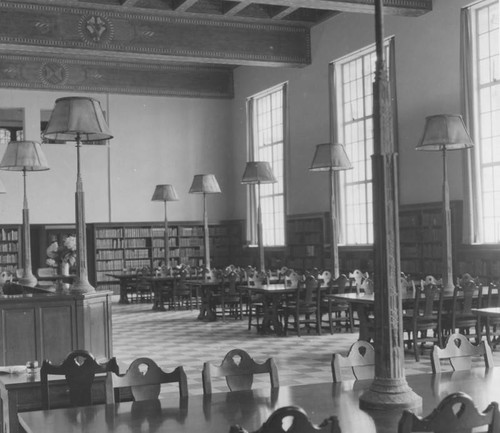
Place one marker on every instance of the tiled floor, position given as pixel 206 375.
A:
pixel 175 338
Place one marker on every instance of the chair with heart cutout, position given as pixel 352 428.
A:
pixel 79 368
pixel 460 353
pixel 455 414
pixel 359 361
pixel 145 377
pixel 239 369
pixel 292 419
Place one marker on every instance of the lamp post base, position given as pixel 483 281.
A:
pixel 81 286
pixel 388 394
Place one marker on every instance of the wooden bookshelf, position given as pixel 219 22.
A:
pixel 10 247
pixel 421 237
pixel 305 236
pixel 119 246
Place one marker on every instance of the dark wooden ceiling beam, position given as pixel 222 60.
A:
pixel 284 13
pixel 144 36
pixel 183 5
pixel 395 7
pixel 84 75
pixel 238 7
pixel 129 3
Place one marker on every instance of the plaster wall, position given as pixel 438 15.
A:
pixel 427 73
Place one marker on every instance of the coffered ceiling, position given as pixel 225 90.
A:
pixel 161 47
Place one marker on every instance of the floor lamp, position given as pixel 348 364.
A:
pixel 25 156
pixel 165 193
pixel 81 120
pixel 331 157
pixel 205 184
pixel 256 173
pixel 445 132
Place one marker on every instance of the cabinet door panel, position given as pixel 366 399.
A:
pixel 57 332
pixel 19 336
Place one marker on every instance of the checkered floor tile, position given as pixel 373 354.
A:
pixel 175 338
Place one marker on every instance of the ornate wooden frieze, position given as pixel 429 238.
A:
pixel 53 73
pixel 167 37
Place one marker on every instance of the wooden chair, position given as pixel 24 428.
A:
pixel 339 314
pixel 145 377
pixel 455 414
pixel 139 289
pixel 79 369
pixel 304 308
pixel 360 360
pixel 422 322
pixel 459 351
pixel 490 326
pixel 182 293
pixel 230 300
pixel 466 295
pixel 238 368
pixel 292 419
pixel 254 302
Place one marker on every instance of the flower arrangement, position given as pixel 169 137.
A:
pixel 57 254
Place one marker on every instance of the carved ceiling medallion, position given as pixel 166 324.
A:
pixel 95 29
pixel 53 74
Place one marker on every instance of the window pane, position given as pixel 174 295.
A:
pixel 356 133
pixel 269 126
pixel 487 138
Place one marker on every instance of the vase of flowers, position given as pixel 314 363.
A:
pixel 62 257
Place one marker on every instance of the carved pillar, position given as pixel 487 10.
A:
pixel 389 389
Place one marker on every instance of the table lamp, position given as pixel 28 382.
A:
pixel 25 156
pixel 445 132
pixel 165 193
pixel 78 119
pixel 256 173
pixel 332 157
pixel 205 184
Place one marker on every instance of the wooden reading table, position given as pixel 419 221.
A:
pixel 216 413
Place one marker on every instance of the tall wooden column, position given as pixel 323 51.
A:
pixel 389 389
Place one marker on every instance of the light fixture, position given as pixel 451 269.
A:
pixel 78 119
pixel 25 156
pixel 256 173
pixel 205 184
pixel 331 157
pixel 165 193
pixel 445 132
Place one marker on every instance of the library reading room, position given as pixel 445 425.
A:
pixel 249 216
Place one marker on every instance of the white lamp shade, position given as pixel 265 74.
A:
pixel 258 172
pixel 24 155
pixel 165 193
pixel 204 184
pixel 330 156
pixel 445 131
pixel 74 117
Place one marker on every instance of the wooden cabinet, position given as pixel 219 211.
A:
pixel 10 247
pixel 49 326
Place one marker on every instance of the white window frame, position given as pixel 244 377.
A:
pixel 267 120
pixel 482 114
pixel 355 203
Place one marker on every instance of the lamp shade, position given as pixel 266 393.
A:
pixel 24 156
pixel 204 184
pixel 74 117
pixel 330 156
pixel 444 131
pixel 258 172
pixel 165 193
